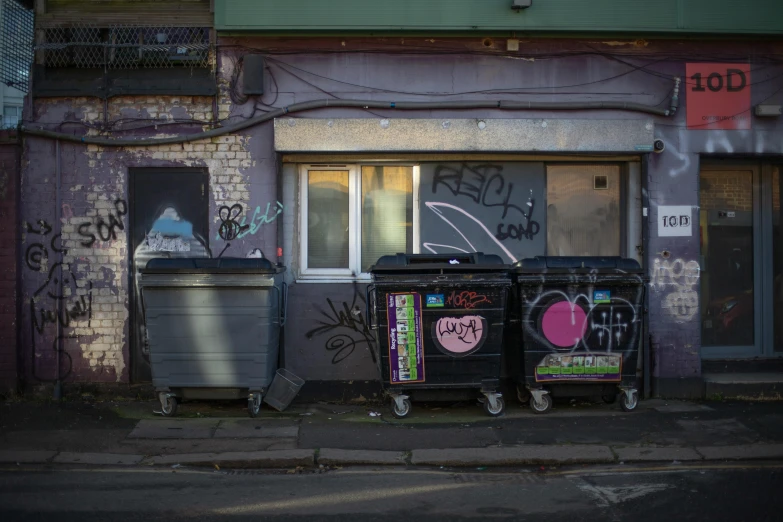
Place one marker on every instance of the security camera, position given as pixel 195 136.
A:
pixel 659 146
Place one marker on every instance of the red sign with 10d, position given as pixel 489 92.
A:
pixel 718 96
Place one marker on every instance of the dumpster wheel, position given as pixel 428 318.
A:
pixel 499 408
pixel 629 400
pixel 168 404
pixel 401 409
pixel 254 404
pixel 542 406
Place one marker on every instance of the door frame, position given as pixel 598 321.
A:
pixel 203 173
pixel 763 326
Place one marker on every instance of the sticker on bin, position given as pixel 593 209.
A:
pixel 435 300
pixel 584 367
pixel 406 350
pixel 602 296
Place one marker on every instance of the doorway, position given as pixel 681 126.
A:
pixel 169 218
pixel 741 260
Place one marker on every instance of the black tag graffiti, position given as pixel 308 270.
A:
pixel 105 228
pixel 229 224
pixel 485 185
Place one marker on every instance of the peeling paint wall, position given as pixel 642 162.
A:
pixel 92 247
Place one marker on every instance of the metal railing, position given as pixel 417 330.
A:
pixel 126 47
pixel 16 44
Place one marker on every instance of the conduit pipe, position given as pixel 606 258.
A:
pixel 361 104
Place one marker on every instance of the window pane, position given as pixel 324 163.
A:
pixel 327 219
pixel 583 210
pixel 11 115
pixel 726 224
pixel 387 212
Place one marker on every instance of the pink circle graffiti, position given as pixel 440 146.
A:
pixel 564 324
pixel 460 335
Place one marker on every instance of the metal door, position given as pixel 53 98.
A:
pixel 169 218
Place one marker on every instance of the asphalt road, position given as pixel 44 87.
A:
pixel 675 492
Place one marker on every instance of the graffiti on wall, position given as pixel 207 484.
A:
pixel 676 281
pixel 346 327
pixel 460 336
pixel 483 207
pixel 104 229
pixel 232 227
pixel 56 301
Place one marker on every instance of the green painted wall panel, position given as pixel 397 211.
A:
pixel 655 16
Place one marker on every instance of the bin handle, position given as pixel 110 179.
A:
pixel 368 292
pixel 283 304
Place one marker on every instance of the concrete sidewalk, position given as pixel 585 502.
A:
pixel 449 435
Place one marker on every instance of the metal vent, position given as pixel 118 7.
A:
pixel 601 182
pixel 126 47
pixel 16 42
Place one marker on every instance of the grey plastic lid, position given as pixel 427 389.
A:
pixel 164 265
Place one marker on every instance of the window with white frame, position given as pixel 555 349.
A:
pixel 11 116
pixel 353 214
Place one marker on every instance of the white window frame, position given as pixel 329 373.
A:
pixel 353 272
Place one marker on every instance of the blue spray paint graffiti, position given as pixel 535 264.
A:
pixel 258 220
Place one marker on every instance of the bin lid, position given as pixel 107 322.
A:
pixel 427 263
pixel 201 265
pixel 611 264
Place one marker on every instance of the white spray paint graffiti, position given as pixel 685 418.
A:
pixel 677 279
pixel 438 208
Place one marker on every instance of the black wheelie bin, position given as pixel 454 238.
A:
pixel 439 322
pixel 580 322
pixel 213 327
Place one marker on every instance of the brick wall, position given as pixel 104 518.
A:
pixel 726 190
pixel 95 190
pixel 8 259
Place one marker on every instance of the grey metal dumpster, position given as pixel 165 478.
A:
pixel 213 327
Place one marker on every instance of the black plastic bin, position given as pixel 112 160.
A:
pixel 439 322
pixel 580 322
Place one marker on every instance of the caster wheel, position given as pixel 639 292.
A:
pixel 169 408
pixel 609 399
pixel 495 412
pixel 541 407
pixel 254 405
pixel 629 404
pixel 523 396
pixel 403 412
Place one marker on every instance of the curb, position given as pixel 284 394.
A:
pixel 511 456
pixel 239 459
pixel 534 454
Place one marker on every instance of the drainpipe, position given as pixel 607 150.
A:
pixel 675 101
pixel 58 385
pixel 646 355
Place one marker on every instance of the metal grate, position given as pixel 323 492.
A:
pixel 16 44
pixel 126 47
